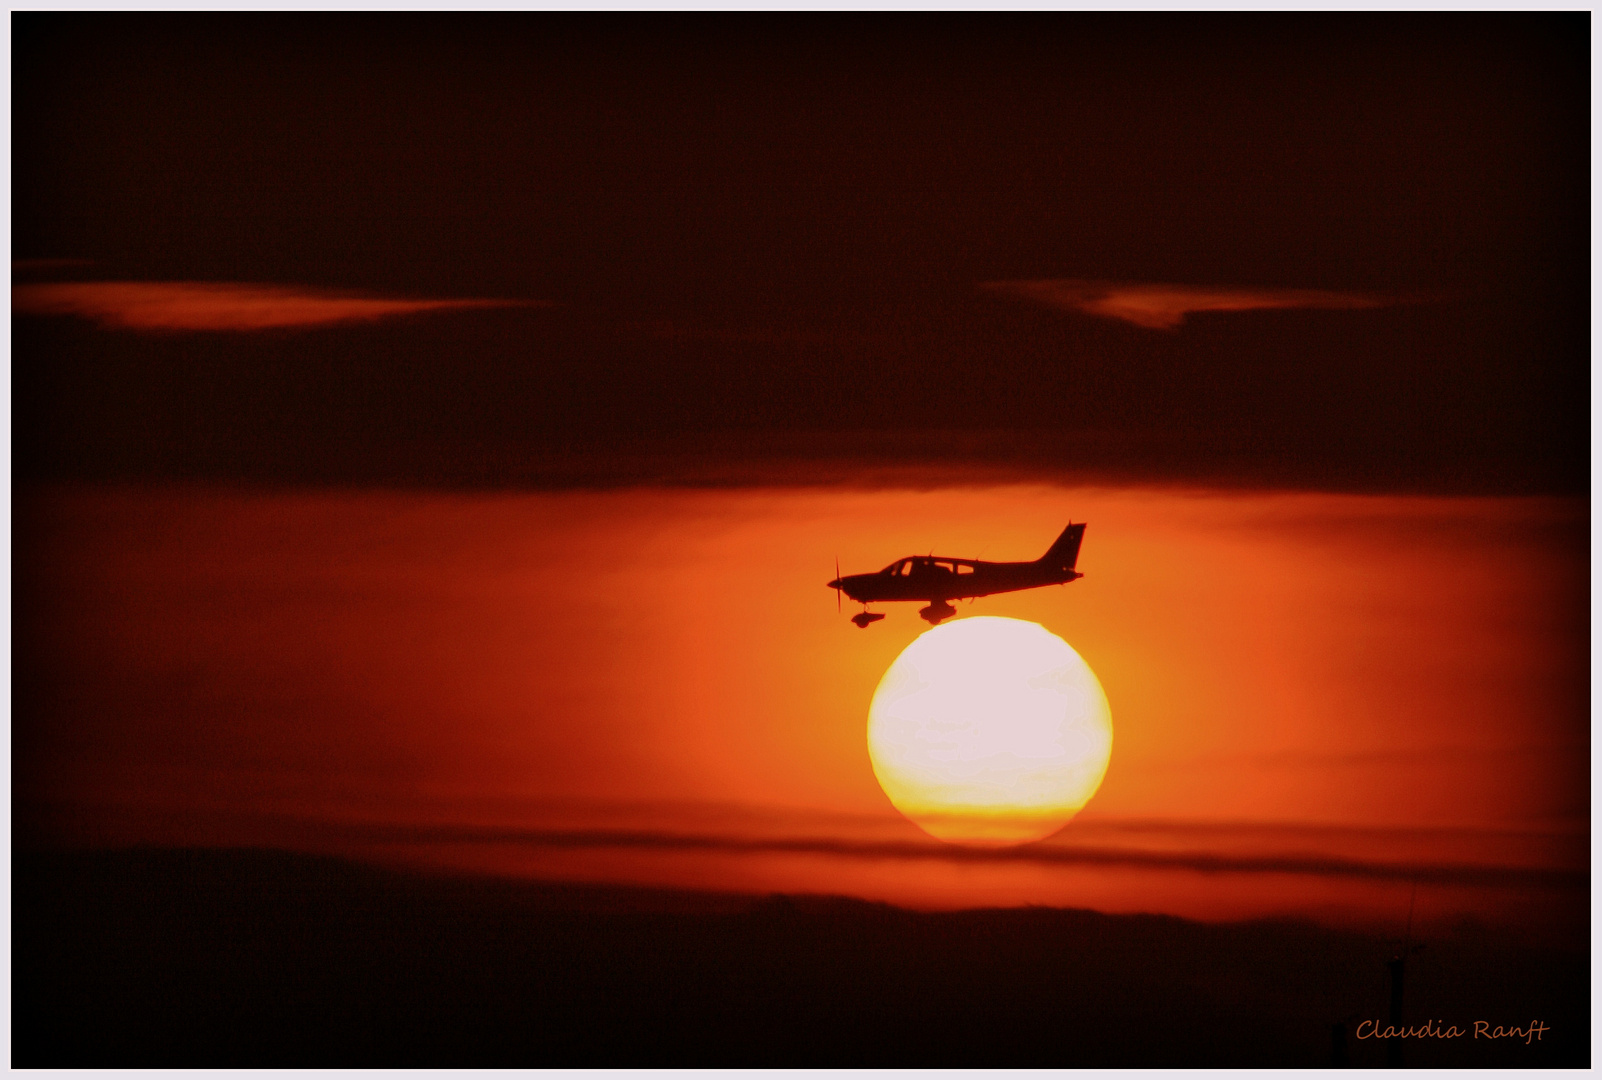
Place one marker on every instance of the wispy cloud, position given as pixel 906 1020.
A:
pixel 168 306
pixel 1157 306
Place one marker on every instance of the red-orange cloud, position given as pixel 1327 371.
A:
pixel 1317 699
pixel 1164 307
pixel 217 306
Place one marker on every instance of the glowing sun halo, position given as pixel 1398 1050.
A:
pixel 989 731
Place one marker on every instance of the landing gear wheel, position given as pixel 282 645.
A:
pixel 863 618
pixel 935 612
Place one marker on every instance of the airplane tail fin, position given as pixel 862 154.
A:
pixel 1065 552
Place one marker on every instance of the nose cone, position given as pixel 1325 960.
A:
pixel 836 584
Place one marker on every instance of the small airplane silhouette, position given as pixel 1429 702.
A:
pixel 938 579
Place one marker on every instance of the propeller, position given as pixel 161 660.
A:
pixel 837 603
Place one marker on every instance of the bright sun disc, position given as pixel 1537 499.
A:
pixel 989 732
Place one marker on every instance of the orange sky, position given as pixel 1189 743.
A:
pixel 1381 680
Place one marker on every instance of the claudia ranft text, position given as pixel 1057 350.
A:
pixel 1432 1029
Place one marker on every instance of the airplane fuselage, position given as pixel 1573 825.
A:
pixel 934 578
pixel 940 580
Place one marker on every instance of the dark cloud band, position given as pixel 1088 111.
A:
pixel 1460 874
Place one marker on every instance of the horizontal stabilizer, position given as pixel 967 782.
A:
pixel 1065 552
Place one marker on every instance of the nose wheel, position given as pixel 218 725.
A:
pixel 863 618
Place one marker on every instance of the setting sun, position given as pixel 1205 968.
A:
pixel 989 731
